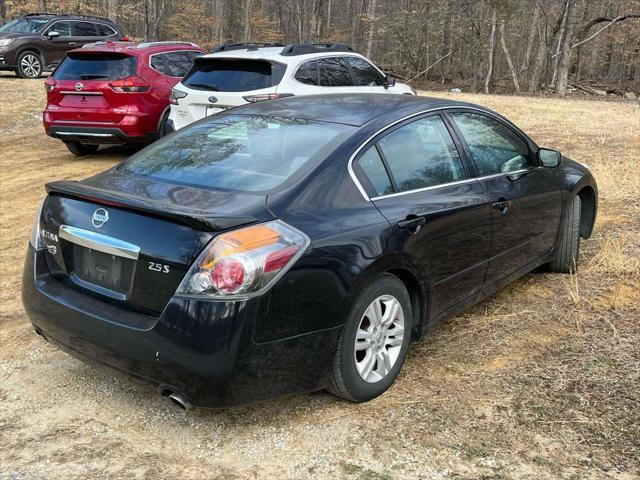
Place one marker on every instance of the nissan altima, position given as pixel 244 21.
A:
pixel 298 244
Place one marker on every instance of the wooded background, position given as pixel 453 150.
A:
pixel 480 45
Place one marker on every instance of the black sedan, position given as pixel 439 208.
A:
pixel 298 244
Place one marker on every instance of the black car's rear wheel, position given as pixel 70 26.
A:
pixel 565 259
pixel 29 65
pixel 80 149
pixel 374 341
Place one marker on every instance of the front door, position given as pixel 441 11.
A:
pixel 525 198
pixel 57 47
pixel 441 218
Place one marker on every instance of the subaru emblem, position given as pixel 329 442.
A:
pixel 79 86
pixel 100 217
pixel 213 99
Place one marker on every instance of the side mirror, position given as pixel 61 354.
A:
pixel 389 81
pixel 549 158
pixel 53 34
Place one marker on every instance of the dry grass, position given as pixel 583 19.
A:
pixel 541 380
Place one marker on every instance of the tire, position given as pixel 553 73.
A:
pixel 29 65
pixel 348 378
pixel 80 149
pixel 163 130
pixel 565 259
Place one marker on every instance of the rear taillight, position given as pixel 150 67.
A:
pixel 49 84
pixel 35 240
pixel 124 38
pixel 266 96
pixel 176 95
pixel 130 85
pixel 245 262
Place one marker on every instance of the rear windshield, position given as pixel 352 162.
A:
pixel 233 75
pixel 103 66
pixel 238 152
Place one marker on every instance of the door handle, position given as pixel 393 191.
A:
pixel 72 43
pixel 412 223
pixel 502 205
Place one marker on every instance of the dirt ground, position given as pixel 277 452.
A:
pixel 542 380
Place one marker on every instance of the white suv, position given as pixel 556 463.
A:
pixel 236 74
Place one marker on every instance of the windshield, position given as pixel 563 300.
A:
pixel 238 152
pixel 103 66
pixel 232 75
pixel 24 25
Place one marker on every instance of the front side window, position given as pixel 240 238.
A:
pixel 238 152
pixel 63 28
pixel 107 66
pixel 494 147
pixel 24 25
pixel 364 74
pixel 308 73
pixel 422 154
pixel 334 72
pixel 84 29
pixel 373 169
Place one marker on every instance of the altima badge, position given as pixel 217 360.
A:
pixel 100 217
pixel 79 86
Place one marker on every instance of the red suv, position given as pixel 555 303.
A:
pixel 114 93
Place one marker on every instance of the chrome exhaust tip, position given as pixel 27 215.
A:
pixel 179 400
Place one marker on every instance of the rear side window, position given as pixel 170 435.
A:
pixel 233 75
pixel 334 73
pixel 373 168
pixel 84 29
pixel 422 154
pixel 364 74
pixel 238 152
pixel 494 147
pixel 173 64
pixel 96 67
pixel 308 73
pixel 105 30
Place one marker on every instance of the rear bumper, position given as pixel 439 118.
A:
pixel 96 135
pixel 203 350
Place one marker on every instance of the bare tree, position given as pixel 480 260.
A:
pixel 372 26
pixel 565 49
pixel 491 50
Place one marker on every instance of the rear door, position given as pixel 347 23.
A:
pixel 417 180
pixel 525 198
pixel 85 32
pixel 82 92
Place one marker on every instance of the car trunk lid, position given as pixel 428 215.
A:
pixel 130 241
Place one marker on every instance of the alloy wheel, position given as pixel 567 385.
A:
pixel 379 338
pixel 30 65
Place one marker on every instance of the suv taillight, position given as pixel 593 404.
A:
pixel 266 96
pixel 130 85
pixel 49 84
pixel 176 95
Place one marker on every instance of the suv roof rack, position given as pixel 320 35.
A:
pixel 307 48
pixel 88 17
pixel 244 46
pixel 167 42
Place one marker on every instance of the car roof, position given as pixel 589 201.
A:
pixel 134 48
pixel 275 54
pixel 349 108
pixel 69 16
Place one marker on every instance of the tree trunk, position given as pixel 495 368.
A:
pixel 247 20
pixel 492 46
pixel 112 9
pixel 565 50
pixel 532 36
pixel 372 26
pixel 42 6
pixel 534 77
pixel 556 56
pixel 512 68
pixel 3 12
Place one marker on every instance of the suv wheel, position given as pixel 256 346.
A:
pixel 29 65
pixel 80 150
pixel 374 341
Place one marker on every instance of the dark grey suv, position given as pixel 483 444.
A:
pixel 39 41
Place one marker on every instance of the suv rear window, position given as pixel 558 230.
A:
pixel 222 75
pixel 104 66
pixel 238 152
